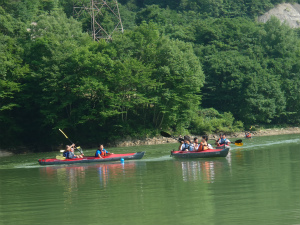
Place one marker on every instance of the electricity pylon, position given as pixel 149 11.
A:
pixel 100 11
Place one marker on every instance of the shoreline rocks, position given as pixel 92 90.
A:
pixel 129 142
pixel 5 153
pixel 164 140
pixel 147 141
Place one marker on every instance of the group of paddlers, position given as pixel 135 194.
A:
pixel 187 145
pixel 69 152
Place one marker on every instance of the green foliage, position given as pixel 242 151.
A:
pixel 12 71
pixel 190 66
pixel 213 8
pixel 26 10
pixel 211 121
pixel 157 80
pixel 245 63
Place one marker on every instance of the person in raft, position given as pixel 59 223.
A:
pixel 101 151
pixel 223 141
pixel 69 152
pixel 217 140
pixel 186 145
pixel 206 139
pixel 196 144
pixel 247 134
pixel 203 144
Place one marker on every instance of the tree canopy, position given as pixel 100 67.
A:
pixel 183 66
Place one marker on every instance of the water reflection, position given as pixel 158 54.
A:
pixel 239 156
pixel 204 170
pixel 74 179
pixel 72 176
pixel 114 171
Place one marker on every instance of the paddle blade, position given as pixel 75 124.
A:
pixel 79 149
pixel 63 133
pixel 165 134
pixel 238 144
pixel 238 141
pixel 60 157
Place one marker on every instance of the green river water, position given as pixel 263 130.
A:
pixel 258 183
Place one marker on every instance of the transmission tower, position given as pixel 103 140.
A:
pixel 100 11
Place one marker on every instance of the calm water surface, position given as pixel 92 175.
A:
pixel 258 183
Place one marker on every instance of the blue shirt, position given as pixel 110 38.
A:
pixel 223 141
pixel 195 146
pixel 69 155
pixel 185 146
pixel 99 152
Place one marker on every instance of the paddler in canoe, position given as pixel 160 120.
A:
pixel 204 145
pixel 217 140
pixel 223 141
pixel 196 144
pixel 101 151
pixel 185 144
pixel 69 152
pixel 248 135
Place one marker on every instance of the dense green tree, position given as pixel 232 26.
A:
pixel 12 71
pixel 53 40
pixel 240 85
pixel 243 61
pixel 190 66
pixel 211 121
pixel 176 75
pixel 282 48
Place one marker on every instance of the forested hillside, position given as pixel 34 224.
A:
pixel 185 66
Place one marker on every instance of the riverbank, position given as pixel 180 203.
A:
pixel 5 153
pixel 163 140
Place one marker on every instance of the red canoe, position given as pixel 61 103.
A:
pixel 222 146
pixel 90 159
pixel 203 154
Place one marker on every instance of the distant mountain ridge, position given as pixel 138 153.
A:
pixel 286 12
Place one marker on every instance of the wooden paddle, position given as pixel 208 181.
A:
pixel 78 148
pixel 60 157
pixel 239 144
pixel 165 134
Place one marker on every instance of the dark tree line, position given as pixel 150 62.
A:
pixel 182 66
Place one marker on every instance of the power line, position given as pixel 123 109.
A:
pixel 100 11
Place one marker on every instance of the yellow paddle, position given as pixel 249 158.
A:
pixel 238 144
pixel 78 148
pixel 60 157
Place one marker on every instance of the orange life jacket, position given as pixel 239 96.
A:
pixel 103 153
pixel 202 147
